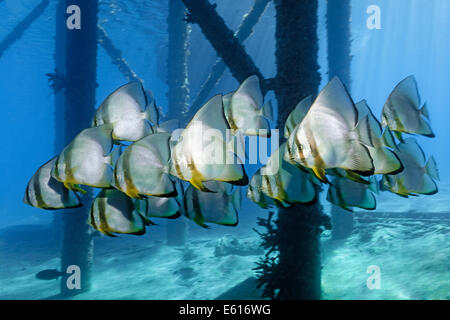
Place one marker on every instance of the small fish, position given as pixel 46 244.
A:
pixel 131 111
pixel 143 168
pixel 385 161
pixel 330 135
pixel 87 160
pixel 45 192
pixel 201 152
pixel 158 207
pixel 49 274
pixel 255 193
pixel 297 116
pixel 244 112
pixel 113 212
pixel 162 207
pixel 284 182
pixel 402 113
pixel 418 175
pixel 348 194
pixel 220 206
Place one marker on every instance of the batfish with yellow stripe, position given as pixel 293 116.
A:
pixel 330 135
pixel 220 206
pixel 348 194
pixel 245 111
pixel 143 168
pixel 385 160
pixel 418 176
pixel 158 207
pixel 284 182
pixel 201 152
pixel 402 112
pixel 255 193
pixel 113 212
pixel 162 207
pixel 88 159
pixel 131 111
pixel 45 192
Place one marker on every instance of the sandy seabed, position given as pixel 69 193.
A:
pixel 412 252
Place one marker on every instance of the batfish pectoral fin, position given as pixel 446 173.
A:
pixel 109 234
pixel 75 187
pixel 398 135
pixel 320 174
pixel 356 177
pixel 200 186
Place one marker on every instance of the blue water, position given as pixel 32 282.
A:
pixel 414 39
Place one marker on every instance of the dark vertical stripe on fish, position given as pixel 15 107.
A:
pixel 130 187
pixel 178 170
pixel 145 96
pixel 269 187
pixel 282 193
pixel 56 170
pixel 65 195
pixel 130 208
pixel 102 215
pixel 229 116
pixel 300 152
pixel 318 161
pixel 38 191
pixel 92 216
pixel 69 177
pixel 27 193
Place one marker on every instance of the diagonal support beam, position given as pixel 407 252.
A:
pixel 22 26
pixel 223 40
pixel 244 31
pixel 116 55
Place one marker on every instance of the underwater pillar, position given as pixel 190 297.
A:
pixel 177 69
pixel 80 86
pixel 299 270
pixel 178 91
pixel 59 123
pixel 341 222
pixel 339 40
pixel 299 253
pixel 339 64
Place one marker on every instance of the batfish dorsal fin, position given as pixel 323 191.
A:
pixel 212 115
pixel 407 89
pixel 336 99
pixel 297 115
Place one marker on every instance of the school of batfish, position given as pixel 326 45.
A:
pixel 146 169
